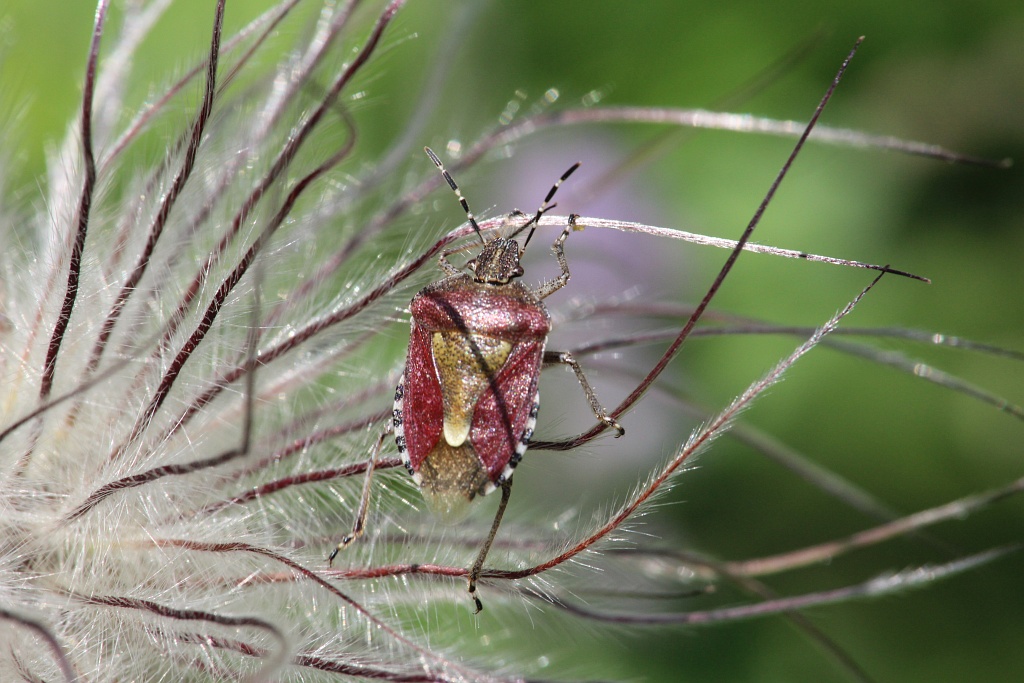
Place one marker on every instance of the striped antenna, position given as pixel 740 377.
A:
pixel 546 206
pixel 458 192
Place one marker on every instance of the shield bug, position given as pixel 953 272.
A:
pixel 466 405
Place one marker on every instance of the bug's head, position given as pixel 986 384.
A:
pixel 497 263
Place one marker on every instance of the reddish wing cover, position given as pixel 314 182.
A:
pixel 422 410
pixel 516 383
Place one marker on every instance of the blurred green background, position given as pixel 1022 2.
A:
pixel 946 73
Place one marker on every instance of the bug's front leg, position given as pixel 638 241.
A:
pixel 478 565
pixel 566 358
pixel 549 288
pixel 364 501
pixel 442 261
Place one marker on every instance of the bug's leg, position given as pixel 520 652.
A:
pixel 364 502
pixel 442 260
pixel 474 573
pixel 552 286
pixel 566 358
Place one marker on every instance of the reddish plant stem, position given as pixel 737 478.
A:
pixel 84 209
pixel 177 186
pixel 210 315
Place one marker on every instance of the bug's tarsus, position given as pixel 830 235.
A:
pixel 478 565
pixel 516 213
pixel 458 193
pixel 359 525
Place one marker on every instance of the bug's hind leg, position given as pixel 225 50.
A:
pixel 566 358
pixel 364 500
pixel 478 565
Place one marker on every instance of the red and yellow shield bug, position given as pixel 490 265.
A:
pixel 466 405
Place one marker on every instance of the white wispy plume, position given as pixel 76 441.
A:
pixel 199 352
